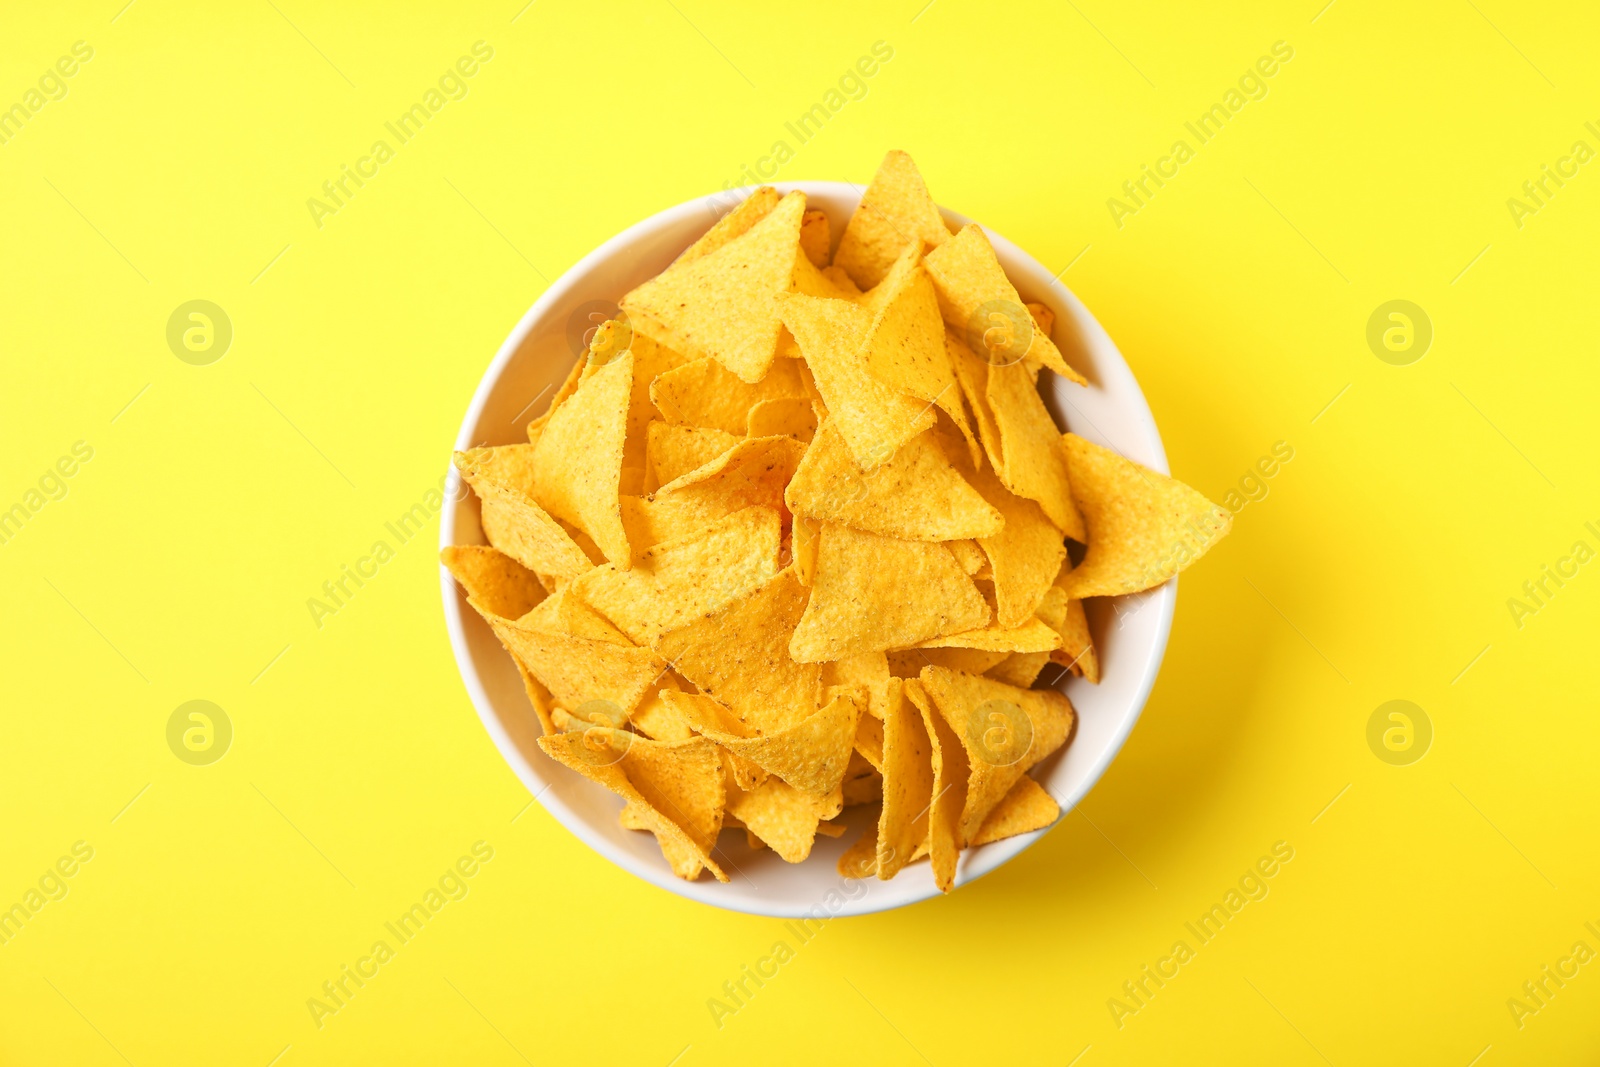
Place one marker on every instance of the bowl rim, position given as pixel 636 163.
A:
pixel 974 865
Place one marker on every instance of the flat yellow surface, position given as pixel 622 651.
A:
pixel 176 562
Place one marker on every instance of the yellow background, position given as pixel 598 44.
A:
pixel 1379 566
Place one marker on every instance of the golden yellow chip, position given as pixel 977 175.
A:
pixel 569 385
pixel 1032 636
pixel 869 735
pixel 863 784
pixel 916 496
pixel 749 211
pixel 650 360
pixel 904 347
pixel 895 211
pixel 1043 318
pixel 677 581
pixel 870 669
pixel 804 549
pixel 908 787
pixel 1025 556
pixel 1077 652
pixel 1026 808
pixel 908 662
pixel 672 451
pixel 1032 463
pixel 751 473
pixel 494 582
pixel 950 778
pixel 972 374
pixel 656 718
pixel 790 416
pixel 724 304
pixel 860 860
pixel 815 239
pixel 873 419
pixel 810 755
pixel 738 654
pixel 577 464
pixel 577 668
pixel 512 520
pixel 841 281
pixel 1004 730
pixel 783 817
pixel 705 393
pixel 674 789
pixel 976 296
pixel 1022 669
pixel 1144 527
pixel 872 593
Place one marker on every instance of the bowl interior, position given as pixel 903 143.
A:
pixel 1130 632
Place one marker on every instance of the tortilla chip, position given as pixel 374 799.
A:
pixel 904 346
pixel 916 496
pixel 873 419
pixel 577 464
pixel 1144 527
pixel 969 555
pixel 860 860
pixel 810 755
pixel 675 790
pixel 672 451
pixel 723 304
pixel 783 817
pixel 970 282
pixel 1043 318
pixel 908 662
pixel 650 360
pixel 1022 668
pixel 804 549
pixel 1026 808
pixel 1033 464
pixel 703 392
pixel 749 211
pixel 972 373
pixel 574 668
pixel 751 473
pixel 1026 555
pixel 841 281
pixel 790 416
pixel 872 593
pixel 543 703
pixel 870 669
pixel 1004 730
pixel 894 212
pixel 869 736
pixel 830 829
pixel 1032 636
pixel 569 385
pixel 493 581
pixel 659 720
pixel 907 782
pixel 949 790
pixel 814 237
pixel 738 654
pixel 512 520
pixel 1077 652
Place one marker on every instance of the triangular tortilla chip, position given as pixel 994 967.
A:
pixel 1026 808
pixel 1004 730
pixel 869 737
pixel 904 347
pixel 672 451
pixel 1077 652
pixel 1033 464
pixel 842 281
pixel 749 211
pixel 908 662
pixel 894 212
pixel 512 520
pixel 1032 636
pixel 907 760
pixel 706 715
pixel 577 668
pixel 968 277
pixel 494 582
pixel 705 393
pixel 870 669
pixel 873 419
pixel 577 464
pixel 815 238
pixel 751 473
pixel 650 360
pixel 791 416
pixel 872 593
pixel 860 860
pixel 783 817
pixel 973 375
pixel 863 783
pixel 1144 527
pixel 1022 668
pixel 916 496
pixel 1026 555
pixel 811 755
pixel 656 718
pixel 739 655
pixel 677 581
pixel 676 790
pixel 969 555
pixel 950 776
pixel 723 304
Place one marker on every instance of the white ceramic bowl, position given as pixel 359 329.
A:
pixel 1131 632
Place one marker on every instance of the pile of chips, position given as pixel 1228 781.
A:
pixel 792 537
